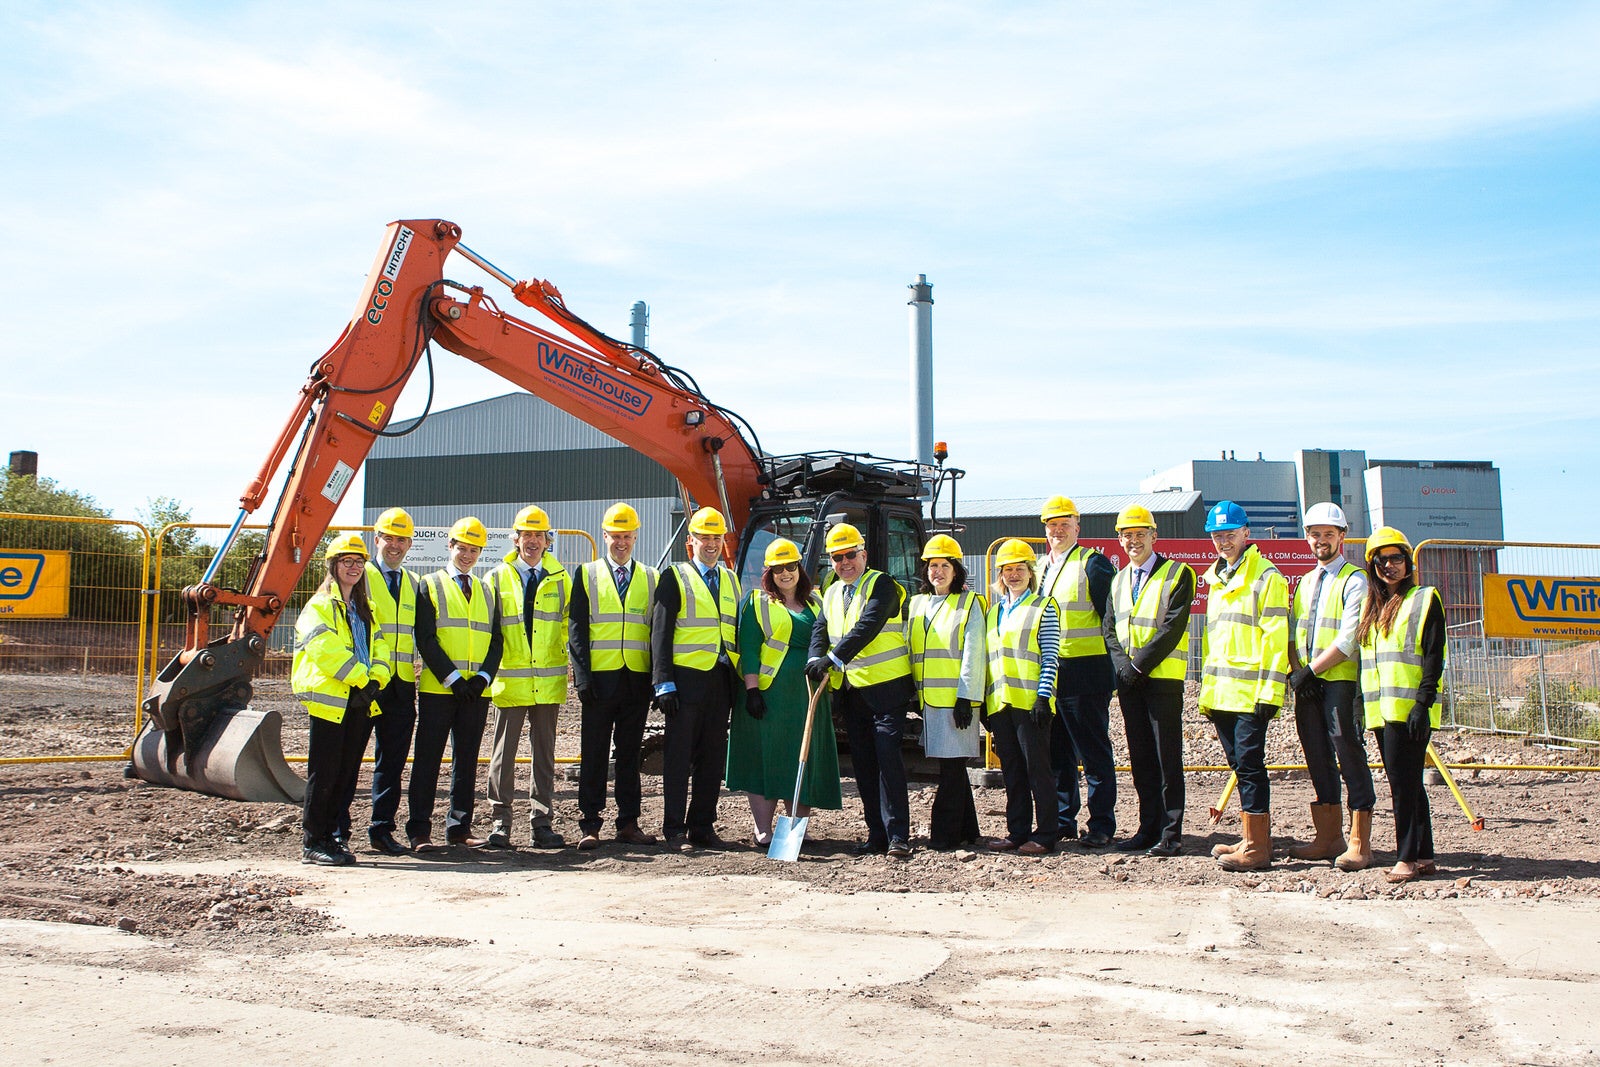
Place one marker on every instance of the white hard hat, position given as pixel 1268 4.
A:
pixel 1326 515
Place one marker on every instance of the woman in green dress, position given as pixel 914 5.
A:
pixel 764 736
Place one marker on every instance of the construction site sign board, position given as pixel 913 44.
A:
pixel 1292 557
pixel 1541 607
pixel 34 583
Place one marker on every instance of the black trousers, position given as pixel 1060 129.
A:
pixel 1335 743
pixel 878 765
pixel 1403 762
pixel 1024 751
pixel 1244 742
pixel 954 819
pixel 333 760
pixel 444 717
pixel 391 744
pixel 1080 732
pixel 610 726
pixel 695 755
pixel 1152 717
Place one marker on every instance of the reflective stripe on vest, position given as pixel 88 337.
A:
pixel 531 672
pixel 396 622
pixel 464 630
pixel 1080 623
pixel 1391 663
pixel 322 671
pixel 777 627
pixel 1138 623
pixel 1328 623
pixel 1242 667
pixel 1013 643
pixel 705 629
pixel 619 633
pixel 936 631
pixel 884 658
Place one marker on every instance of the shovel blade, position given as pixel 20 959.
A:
pixel 787 836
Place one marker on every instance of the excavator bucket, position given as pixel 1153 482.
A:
pixel 241 756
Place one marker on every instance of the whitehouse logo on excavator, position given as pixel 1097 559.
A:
pixel 573 373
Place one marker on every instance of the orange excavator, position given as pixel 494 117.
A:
pixel 201 732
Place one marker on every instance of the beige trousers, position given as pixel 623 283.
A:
pixel 541 720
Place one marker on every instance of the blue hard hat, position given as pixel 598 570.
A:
pixel 1226 515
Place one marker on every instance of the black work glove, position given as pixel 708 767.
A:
pixel 1419 723
pixel 462 688
pixel 668 703
pixel 963 713
pixel 370 692
pixel 1130 679
pixel 585 694
pixel 755 703
pixel 477 684
pixel 1303 678
pixel 817 668
pixel 1041 712
pixel 1265 710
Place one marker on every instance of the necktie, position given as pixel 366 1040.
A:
pixel 466 586
pixel 622 580
pixel 528 594
pixel 1316 604
pixel 1138 581
pixel 849 594
pixel 711 582
pixel 394 585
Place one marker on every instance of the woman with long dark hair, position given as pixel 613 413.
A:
pixel 1402 640
pixel 764 737
pixel 340 664
pixel 945 638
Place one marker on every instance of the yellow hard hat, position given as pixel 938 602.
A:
pixel 708 521
pixel 941 546
pixel 469 531
pixel 532 518
pixel 1134 516
pixel 620 518
pixel 395 523
pixel 782 550
pixel 349 544
pixel 1057 507
pixel 1385 537
pixel 843 536
pixel 1015 551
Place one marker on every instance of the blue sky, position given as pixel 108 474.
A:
pixel 1154 231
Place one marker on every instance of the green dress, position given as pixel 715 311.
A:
pixel 763 755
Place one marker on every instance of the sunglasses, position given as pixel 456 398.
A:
pixel 840 557
pixel 784 568
pixel 1390 560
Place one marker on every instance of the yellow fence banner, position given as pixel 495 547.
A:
pixel 34 583
pixel 1542 608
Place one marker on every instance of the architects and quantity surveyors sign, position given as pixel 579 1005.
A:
pixel 33 583
pixel 1292 558
pixel 1519 605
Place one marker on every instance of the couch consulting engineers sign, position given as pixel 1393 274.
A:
pixel 33 583
pixel 1518 605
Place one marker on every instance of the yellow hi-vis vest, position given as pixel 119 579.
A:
pixel 532 672
pixel 396 620
pixel 1138 622
pixel 1246 646
pixel 1069 588
pixel 884 658
pixel 326 666
pixel 1310 646
pixel 1014 653
pixel 1391 663
pixel 704 628
pixel 619 631
pixel 777 628
pixel 936 629
pixel 464 630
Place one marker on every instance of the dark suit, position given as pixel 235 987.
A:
pixel 445 717
pixel 1152 715
pixel 696 741
pixel 874 717
pixel 615 706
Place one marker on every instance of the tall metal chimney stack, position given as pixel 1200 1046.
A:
pixel 640 322
pixel 922 370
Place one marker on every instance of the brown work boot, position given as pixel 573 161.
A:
pixel 1329 842
pixel 1219 851
pixel 1358 857
pixel 1257 851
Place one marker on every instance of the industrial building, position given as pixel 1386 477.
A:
pixel 1268 490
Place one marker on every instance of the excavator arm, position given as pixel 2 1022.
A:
pixel 201 733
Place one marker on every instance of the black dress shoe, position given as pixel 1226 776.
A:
pixel 709 839
pixel 900 848
pixel 497 839
pixel 337 846
pixel 544 837
pixel 870 848
pixel 1166 849
pixel 1136 843
pixel 322 853
pixel 383 841
pixel 1068 832
pixel 1094 839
